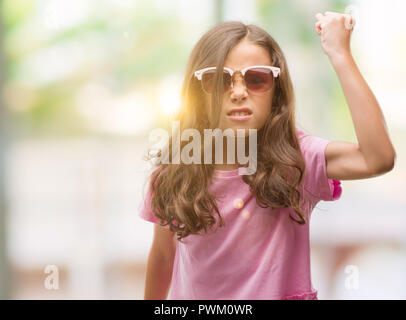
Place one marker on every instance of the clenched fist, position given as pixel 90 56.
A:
pixel 335 31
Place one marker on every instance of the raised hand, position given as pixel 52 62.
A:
pixel 335 31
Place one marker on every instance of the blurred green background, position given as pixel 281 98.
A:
pixel 67 62
pixel 83 84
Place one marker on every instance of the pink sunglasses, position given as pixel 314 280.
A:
pixel 256 78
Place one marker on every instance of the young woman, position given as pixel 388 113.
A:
pixel 237 78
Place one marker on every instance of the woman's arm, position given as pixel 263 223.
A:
pixel 160 264
pixel 374 153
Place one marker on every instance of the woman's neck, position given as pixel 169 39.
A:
pixel 226 166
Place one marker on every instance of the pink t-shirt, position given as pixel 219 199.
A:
pixel 260 253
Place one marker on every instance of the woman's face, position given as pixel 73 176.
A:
pixel 245 54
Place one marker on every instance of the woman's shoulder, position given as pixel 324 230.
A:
pixel 310 142
pixel 301 134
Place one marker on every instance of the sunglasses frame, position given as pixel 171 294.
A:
pixel 199 73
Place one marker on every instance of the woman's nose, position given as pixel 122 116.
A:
pixel 238 91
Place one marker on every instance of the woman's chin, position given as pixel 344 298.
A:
pixel 238 131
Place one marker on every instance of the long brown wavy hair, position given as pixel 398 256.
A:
pixel 180 195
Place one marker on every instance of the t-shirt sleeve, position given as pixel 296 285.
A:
pixel 316 183
pixel 144 209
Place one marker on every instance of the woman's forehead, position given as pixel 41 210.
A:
pixel 246 54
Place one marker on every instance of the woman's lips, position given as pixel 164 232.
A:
pixel 239 117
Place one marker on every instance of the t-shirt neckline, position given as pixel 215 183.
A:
pixel 225 173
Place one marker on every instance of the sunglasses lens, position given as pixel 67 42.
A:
pixel 208 80
pixel 226 81
pixel 258 79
